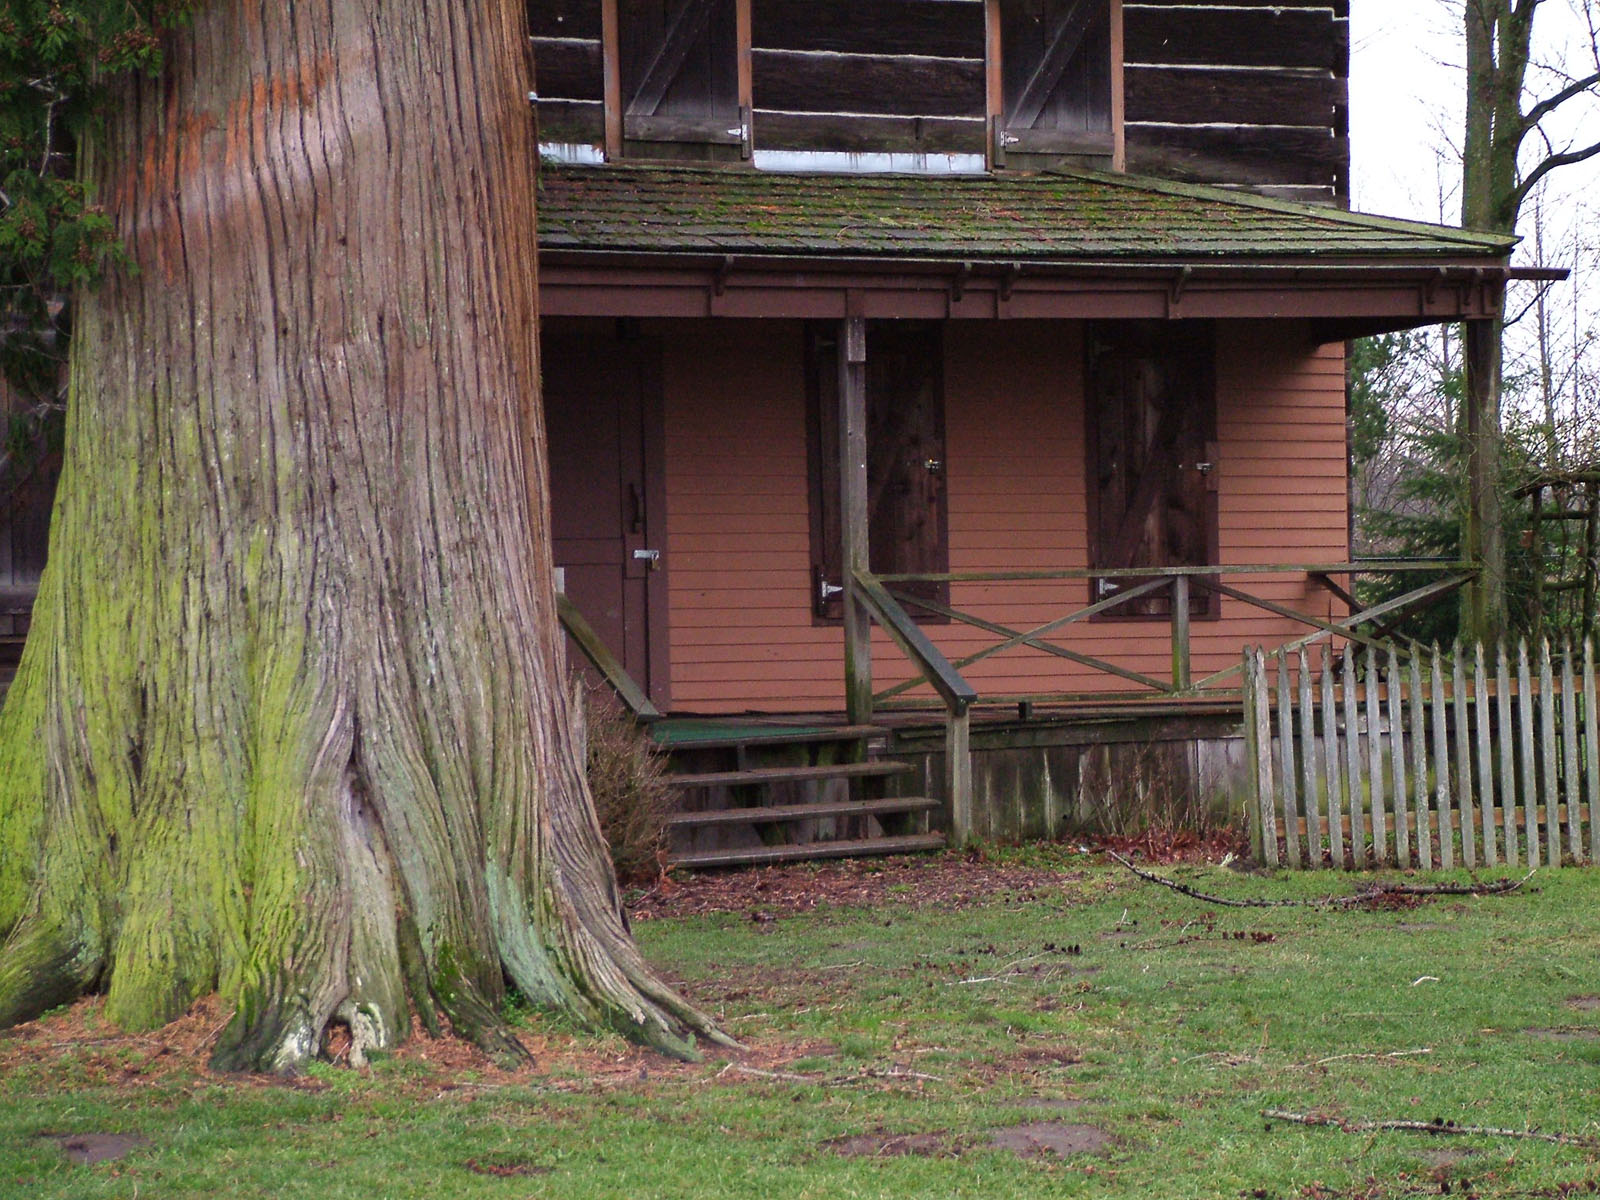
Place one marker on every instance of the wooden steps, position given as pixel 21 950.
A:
pixel 914 843
pixel 777 735
pixel 759 775
pixel 766 794
pixel 887 806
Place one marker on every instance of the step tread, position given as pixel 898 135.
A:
pixel 801 812
pixel 777 736
pixel 860 847
pixel 759 775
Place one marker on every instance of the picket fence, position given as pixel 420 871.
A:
pixel 1417 756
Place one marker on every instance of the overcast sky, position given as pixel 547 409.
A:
pixel 1406 84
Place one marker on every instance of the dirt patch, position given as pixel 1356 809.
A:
pixel 1564 1034
pixel 1051 1104
pixel 1045 1056
pixel 1439 1159
pixel 505 1168
pixel 1041 1138
pixel 1589 1003
pixel 951 880
pixel 887 1145
pixel 86 1149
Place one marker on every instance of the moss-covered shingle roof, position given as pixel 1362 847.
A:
pixel 1066 216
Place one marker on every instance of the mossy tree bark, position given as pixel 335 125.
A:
pixel 291 723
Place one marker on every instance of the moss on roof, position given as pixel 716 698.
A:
pixel 1057 216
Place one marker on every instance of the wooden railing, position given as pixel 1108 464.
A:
pixel 1364 625
pixel 958 695
pixel 604 661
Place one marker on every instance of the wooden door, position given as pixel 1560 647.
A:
pixel 607 506
pixel 1152 455
pixel 907 510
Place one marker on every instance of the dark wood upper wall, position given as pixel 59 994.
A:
pixel 1255 92
pixel 1251 92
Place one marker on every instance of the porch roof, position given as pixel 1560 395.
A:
pixel 1064 217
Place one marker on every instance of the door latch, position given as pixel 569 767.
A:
pixel 653 557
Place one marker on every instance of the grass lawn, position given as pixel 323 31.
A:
pixel 1115 1038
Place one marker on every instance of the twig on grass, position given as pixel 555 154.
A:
pixel 1377 891
pixel 1390 1054
pixel 1437 1126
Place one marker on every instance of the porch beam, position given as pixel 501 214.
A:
pixel 853 532
pixel 1485 606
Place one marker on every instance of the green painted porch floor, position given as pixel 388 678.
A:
pixel 685 731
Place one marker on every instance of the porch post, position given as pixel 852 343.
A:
pixel 1181 676
pixel 853 515
pixel 1483 540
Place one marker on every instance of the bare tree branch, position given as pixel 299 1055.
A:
pixel 1565 159
pixel 1554 101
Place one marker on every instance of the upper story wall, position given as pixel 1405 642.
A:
pixel 1247 92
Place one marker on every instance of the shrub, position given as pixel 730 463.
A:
pixel 627 777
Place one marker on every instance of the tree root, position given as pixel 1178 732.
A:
pixel 1368 895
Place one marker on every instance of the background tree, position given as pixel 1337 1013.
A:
pixel 1512 103
pixel 291 721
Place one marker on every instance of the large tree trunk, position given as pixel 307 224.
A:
pixel 292 722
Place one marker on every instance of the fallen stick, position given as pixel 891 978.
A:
pixel 1437 1126
pixel 1377 891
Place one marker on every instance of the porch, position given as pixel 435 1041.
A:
pixel 934 760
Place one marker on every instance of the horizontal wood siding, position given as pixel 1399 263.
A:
pixel 739 548
pixel 1252 94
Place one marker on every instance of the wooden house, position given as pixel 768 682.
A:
pixel 881 335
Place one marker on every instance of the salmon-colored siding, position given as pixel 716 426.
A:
pixel 738 546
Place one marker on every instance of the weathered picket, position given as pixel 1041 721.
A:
pixel 1361 756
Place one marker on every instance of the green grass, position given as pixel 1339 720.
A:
pixel 1174 1025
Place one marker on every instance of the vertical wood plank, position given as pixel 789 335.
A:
pixel 1397 756
pixel 1571 788
pixel 742 40
pixel 1119 145
pixel 1440 711
pixel 853 516
pixel 1181 675
pixel 1309 765
pixel 1254 792
pixel 958 774
pixel 1468 810
pixel 1527 754
pixel 1263 722
pixel 1591 745
pixel 1291 800
pixel 1353 761
pixel 1380 849
pixel 993 82
pixel 1480 713
pixel 1421 825
pixel 611 77
pixel 1330 759
pixel 1507 745
pixel 1549 774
